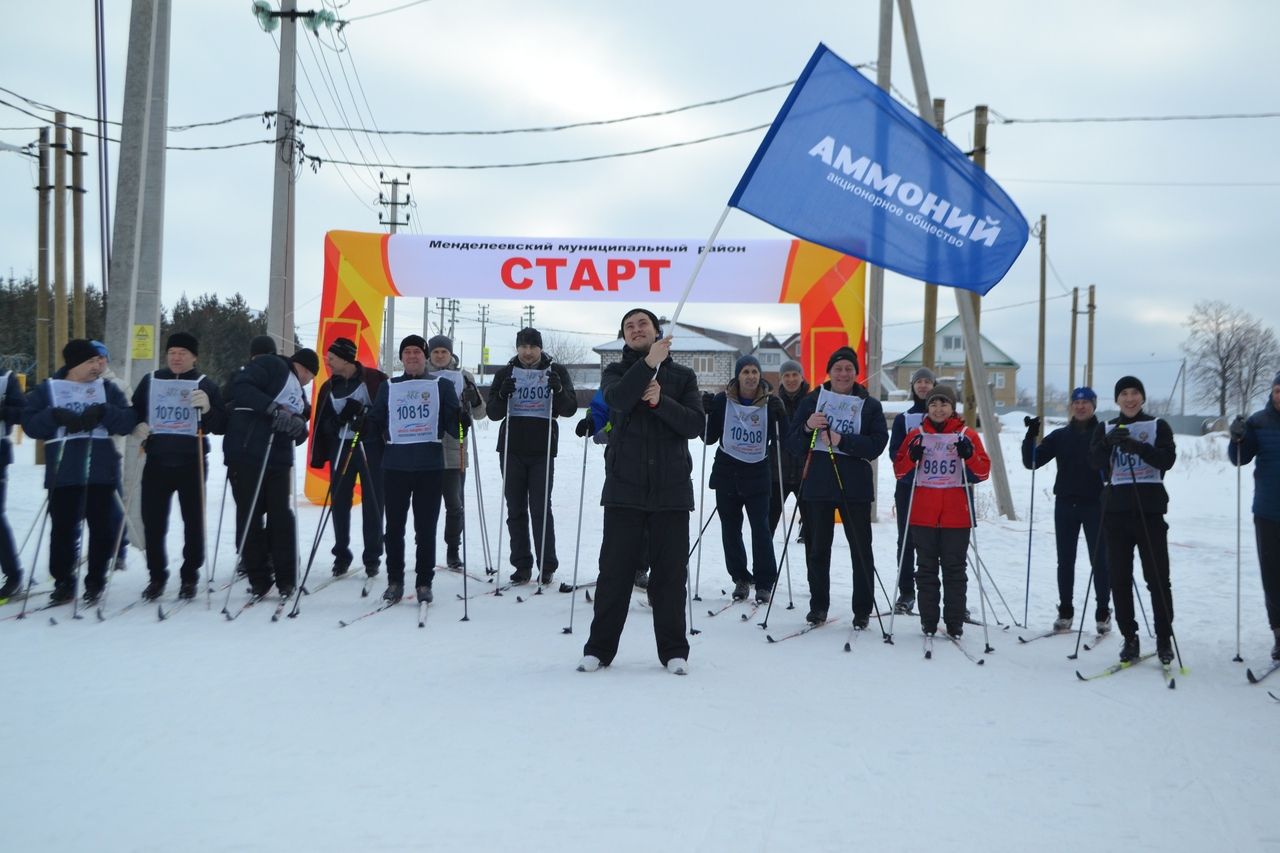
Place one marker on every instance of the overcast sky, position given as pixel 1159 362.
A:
pixel 1157 214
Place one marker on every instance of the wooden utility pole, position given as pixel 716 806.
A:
pixel 77 232
pixel 393 223
pixel 929 353
pixel 59 232
pixel 1040 349
pixel 1088 369
pixel 42 273
pixel 875 274
pixel 1071 360
pixel 980 160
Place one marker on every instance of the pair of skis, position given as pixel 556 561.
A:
pixel 1166 670
pixel 955 641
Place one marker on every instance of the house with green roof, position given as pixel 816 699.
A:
pixel 1002 371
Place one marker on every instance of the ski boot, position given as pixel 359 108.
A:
pixel 741 589
pixel 395 592
pixel 1066 615
pixel 904 605
pixel 1103 618
pixel 1164 650
pixel 424 595
pixel 1129 651
pixel 12 583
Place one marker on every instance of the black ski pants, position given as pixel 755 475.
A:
pixel 529 483
pixel 632 539
pixel 820 523
pixel 455 480
pixel 1267 531
pixel 729 506
pixel 67 506
pixel 272 529
pixel 366 466
pixel 942 548
pixel 8 553
pixel 422 490
pixel 159 483
pixel 906 546
pixel 1149 534
pixel 1068 517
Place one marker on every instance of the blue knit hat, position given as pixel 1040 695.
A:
pixel 1084 392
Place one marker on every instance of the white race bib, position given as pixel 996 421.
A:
pixel 745 431
pixel 1129 468
pixel 290 396
pixel 533 395
pixel 940 467
pixel 844 414
pixel 78 396
pixel 912 420
pixel 454 376
pixel 413 409
pixel 169 409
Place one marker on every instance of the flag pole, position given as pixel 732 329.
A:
pixel 715 232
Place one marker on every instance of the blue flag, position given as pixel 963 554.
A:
pixel 847 167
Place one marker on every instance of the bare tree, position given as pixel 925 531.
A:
pixel 1231 355
pixel 566 349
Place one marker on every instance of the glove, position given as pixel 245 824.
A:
pixel 471 396
pixel 1033 426
pixel 707 399
pixel 1132 445
pixel 200 401
pixel 353 414
pixel 280 418
pixel 554 382
pixel 67 419
pixel 964 447
pixel 296 428
pixel 1237 428
pixel 507 389
pixel 92 416
pixel 585 427
pixel 141 431
pixel 915 450
pixel 1117 437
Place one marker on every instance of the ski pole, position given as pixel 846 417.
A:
pixel 1164 594
pixel 902 554
pixel 546 489
pixel 714 512
pixel 326 512
pixel 1237 658
pixel 973 527
pixel 804 475
pixel 782 502
pixel 774 591
pixel 1093 561
pixel 462 499
pixel 22 614
pixel 702 508
pixel 502 508
pixel 35 519
pixel 1031 526
pixel 982 564
pixel 213 566
pixel 848 524
pixel 484 525
pixel 577 543
pixel 200 472
pixel 115 552
pixel 82 527
pixel 248 517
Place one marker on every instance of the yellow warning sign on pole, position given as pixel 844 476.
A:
pixel 144 342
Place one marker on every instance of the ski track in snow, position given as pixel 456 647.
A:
pixel 195 733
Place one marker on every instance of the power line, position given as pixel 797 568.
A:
pixel 1058 278
pixel 985 311
pixel 1001 119
pixel 1086 183
pixel 331 87
pixel 342 24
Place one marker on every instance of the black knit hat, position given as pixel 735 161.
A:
pixel 344 348
pixel 262 345
pixel 942 392
pixel 529 336
pixel 746 361
pixel 308 359
pixel 653 318
pixel 441 342
pixel 413 341
pixel 1130 382
pixel 78 351
pixel 843 354
pixel 184 341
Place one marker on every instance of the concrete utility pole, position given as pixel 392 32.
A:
pixel 484 346
pixel 42 272
pixel 1088 367
pixel 1071 359
pixel 77 232
pixel 875 275
pixel 133 308
pixel 454 304
pixel 280 279
pixel 527 316
pixel 1040 348
pixel 59 233
pixel 393 224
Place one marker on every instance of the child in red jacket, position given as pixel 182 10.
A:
pixel 943 452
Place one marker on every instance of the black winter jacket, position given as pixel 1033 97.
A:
pixel 898 434
pixel 1150 497
pixel 1077 480
pixel 792 465
pixel 529 435
pixel 12 405
pixel 734 475
pixel 253 393
pixel 647 462
pixel 427 456
pixel 859 449
pixel 104 461
pixel 175 451
pixel 326 429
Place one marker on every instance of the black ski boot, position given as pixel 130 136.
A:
pixel 861 621
pixel 154 590
pixel 955 629
pixel 816 617
pixel 187 591
pixel 1129 651
pixel 763 593
pixel 395 592
pixel 424 595
pixel 454 560
pixel 371 570
pixel 341 567
pixel 1275 650
pixel 1164 649
pixel 62 593
pixel 547 576
pixel 904 605
pixel 12 583
pixel 521 576
pixel 741 589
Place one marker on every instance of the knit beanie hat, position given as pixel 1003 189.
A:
pixel 745 361
pixel 529 336
pixel 438 342
pixel 182 340
pixel 101 348
pixel 308 359
pixel 653 318
pixel 344 348
pixel 843 354
pixel 262 345
pixel 1130 382
pixel 943 392
pixel 923 373
pixel 78 351
pixel 790 366
pixel 1084 392
pixel 413 341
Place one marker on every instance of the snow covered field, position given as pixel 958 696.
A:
pixel 199 734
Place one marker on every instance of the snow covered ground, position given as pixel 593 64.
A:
pixel 199 734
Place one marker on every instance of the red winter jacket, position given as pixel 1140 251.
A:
pixel 943 507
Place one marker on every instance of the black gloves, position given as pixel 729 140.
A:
pixel 585 427
pixel 507 389
pixel 1118 436
pixel 282 420
pixel 707 399
pixel 1237 428
pixel 297 427
pixel 471 396
pixel 92 416
pixel 964 447
pixel 67 419
pixel 915 450
pixel 353 414
pixel 554 382
pixel 1137 448
pixel 1033 426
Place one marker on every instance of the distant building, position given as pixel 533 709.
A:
pixel 771 354
pixel 1002 371
pixel 711 359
